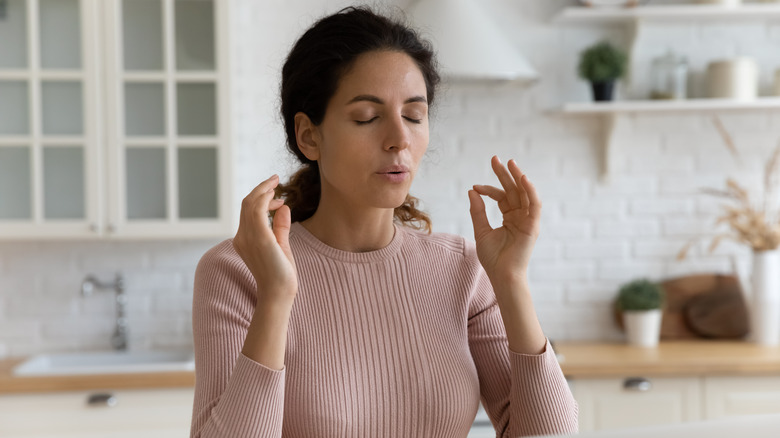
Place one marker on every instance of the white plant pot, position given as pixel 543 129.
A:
pixel 643 327
pixel 765 299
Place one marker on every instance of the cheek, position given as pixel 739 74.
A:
pixel 422 143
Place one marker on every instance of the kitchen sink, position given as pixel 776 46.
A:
pixel 105 362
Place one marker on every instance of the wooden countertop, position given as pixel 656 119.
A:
pixel 578 360
pixel 16 384
pixel 670 358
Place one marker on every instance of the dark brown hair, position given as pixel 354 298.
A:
pixel 311 75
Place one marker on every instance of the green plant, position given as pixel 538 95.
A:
pixel 602 62
pixel 641 294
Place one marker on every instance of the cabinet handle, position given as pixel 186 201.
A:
pixel 102 399
pixel 637 384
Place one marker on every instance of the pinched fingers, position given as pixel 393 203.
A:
pixel 495 194
pixel 513 195
pixel 260 200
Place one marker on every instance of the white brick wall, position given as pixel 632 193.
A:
pixel 594 235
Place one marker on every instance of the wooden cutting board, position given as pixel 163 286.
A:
pixel 703 306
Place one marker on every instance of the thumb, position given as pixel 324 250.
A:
pixel 281 227
pixel 478 215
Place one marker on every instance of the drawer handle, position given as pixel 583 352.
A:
pixel 637 384
pixel 102 399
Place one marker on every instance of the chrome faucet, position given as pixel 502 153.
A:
pixel 88 286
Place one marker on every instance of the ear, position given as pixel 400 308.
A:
pixel 307 134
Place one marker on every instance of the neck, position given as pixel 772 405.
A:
pixel 363 231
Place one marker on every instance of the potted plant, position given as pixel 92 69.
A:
pixel 640 302
pixel 602 64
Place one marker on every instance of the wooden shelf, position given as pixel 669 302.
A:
pixel 614 121
pixel 659 106
pixel 584 14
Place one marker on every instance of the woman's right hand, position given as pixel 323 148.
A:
pixel 265 249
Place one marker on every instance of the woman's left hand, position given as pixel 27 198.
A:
pixel 506 251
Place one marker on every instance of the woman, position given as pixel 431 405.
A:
pixel 339 319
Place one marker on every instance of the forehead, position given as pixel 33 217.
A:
pixel 385 74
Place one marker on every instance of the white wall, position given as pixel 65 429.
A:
pixel 594 236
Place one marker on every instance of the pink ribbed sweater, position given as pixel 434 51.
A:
pixel 398 342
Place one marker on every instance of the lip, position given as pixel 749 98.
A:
pixel 395 168
pixel 396 173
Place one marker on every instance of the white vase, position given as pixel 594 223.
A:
pixel 643 327
pixel 765 298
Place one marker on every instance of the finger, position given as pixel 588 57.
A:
pixel 495 194
pixel 535 204
pixel 275 204
pixel 264 186
pixel 517 174
pixel 281 227
pixel 507 182
pixel 478 215
pixel 254 210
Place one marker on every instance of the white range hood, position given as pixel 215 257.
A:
pixel 467 42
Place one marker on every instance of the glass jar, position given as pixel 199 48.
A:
pixel 669 75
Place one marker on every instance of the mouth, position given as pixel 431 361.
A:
pixel 396 169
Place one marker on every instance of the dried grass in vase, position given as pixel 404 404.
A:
pixel 755 224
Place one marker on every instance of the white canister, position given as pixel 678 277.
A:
pixel 730 3
pixel 765 299
pixel 733 79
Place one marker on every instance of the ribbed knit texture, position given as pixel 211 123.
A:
pixel 399 342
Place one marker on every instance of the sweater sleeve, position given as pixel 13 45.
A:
pixel 523 394
pixel 234 395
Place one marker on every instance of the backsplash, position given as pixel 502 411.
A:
pixel 595 235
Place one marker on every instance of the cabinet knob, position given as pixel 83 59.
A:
pixel 102 399
pixel 637 384
pixel 111 228
pixel 93 227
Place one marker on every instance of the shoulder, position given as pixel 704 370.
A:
pixel 222 265
pixel 222 255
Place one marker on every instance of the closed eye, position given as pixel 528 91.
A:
pixel 417 121
pixel 366 122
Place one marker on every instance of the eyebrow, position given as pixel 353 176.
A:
pixel 374 99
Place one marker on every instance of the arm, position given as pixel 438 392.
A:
pixel 234 395
pixel 523 394
pixel 504 253
pixel 241 310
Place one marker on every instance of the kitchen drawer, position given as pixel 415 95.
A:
pixel 147 413
pixel 732 396
pixel 613 403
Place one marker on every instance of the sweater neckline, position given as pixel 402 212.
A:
pixel 353 257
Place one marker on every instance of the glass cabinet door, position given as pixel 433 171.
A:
pixel 171 152
pixel 48 143
pixel 113 119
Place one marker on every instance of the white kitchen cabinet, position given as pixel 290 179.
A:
pixel 612 403
pixel 114 119
pixel 745 395
pixel 607 404
pixel 147 413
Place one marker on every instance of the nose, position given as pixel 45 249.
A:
pixel 397 135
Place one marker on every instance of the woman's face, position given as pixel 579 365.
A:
pixel 374 133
